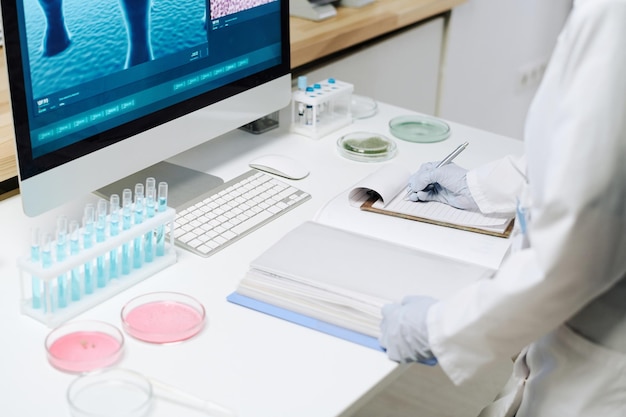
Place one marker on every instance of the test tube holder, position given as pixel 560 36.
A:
pixel 321 108
pixel 51 313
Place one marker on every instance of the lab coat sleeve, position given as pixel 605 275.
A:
pixel 496 185
pixel 575 148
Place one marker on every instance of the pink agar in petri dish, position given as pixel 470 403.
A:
pixel 84 346
pixel 163 317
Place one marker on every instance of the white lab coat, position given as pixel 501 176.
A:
pixel 561 299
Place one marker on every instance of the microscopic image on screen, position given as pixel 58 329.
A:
pixel 220 8
pixel 71 42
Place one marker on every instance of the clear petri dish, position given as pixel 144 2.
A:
pixel 110 392
pixel 418 128
pixel 366 147
pixel 83 346
pixel 163 317
pixel 363 107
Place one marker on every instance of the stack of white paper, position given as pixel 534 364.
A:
pixel 344 278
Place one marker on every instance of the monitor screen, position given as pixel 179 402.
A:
pixel 111 85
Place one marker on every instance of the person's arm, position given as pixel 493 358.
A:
pixel 576 147
pixel 490 189
pixel 496 185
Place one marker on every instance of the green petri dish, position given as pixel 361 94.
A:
pixel 366 147
pixel 422 129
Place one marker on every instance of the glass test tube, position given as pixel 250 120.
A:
pixel 114 230
pixel 150 184
pixel 75 290
pixel 61 255
pixel 127 220
pixel 101 223
pixel 148 246
pixel 161 207
pixel 88 232
pixel 35 257
pixel 138 219
pixel 46 262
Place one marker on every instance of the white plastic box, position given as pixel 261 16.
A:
pixel 321 108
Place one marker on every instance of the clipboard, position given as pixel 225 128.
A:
pixel 368 206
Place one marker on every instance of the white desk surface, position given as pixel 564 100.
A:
pixel 259 365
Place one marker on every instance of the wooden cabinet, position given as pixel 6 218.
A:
pixel 401 68
pixel 8 167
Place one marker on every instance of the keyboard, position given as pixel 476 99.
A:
pixel 233 210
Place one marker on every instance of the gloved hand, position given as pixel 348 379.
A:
pixel 446 184
pixel 404 333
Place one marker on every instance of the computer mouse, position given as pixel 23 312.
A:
pixel 281 165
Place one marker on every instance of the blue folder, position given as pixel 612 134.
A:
pixel 303 320
pixel 311 323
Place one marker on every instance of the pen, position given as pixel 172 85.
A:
pixel 453 155
pixel 443 162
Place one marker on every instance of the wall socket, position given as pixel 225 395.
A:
pixel 529 76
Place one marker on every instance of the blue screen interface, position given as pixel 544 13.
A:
pixel 90 66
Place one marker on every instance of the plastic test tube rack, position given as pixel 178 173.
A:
pixel 52 311
pixel 321 108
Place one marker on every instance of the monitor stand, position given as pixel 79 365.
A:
pixel 185 185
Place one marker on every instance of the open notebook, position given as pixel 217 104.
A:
pixel 345 212
pixel 384 192
pixel 337 281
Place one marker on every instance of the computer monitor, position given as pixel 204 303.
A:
pixel 101 90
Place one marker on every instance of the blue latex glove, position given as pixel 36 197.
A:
pixel 446 184
pixel 404 333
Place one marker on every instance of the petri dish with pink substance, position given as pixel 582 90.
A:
pixel 163 317
pixel 83 346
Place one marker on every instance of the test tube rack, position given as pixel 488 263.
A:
pixel 321 108
pixel 56 304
